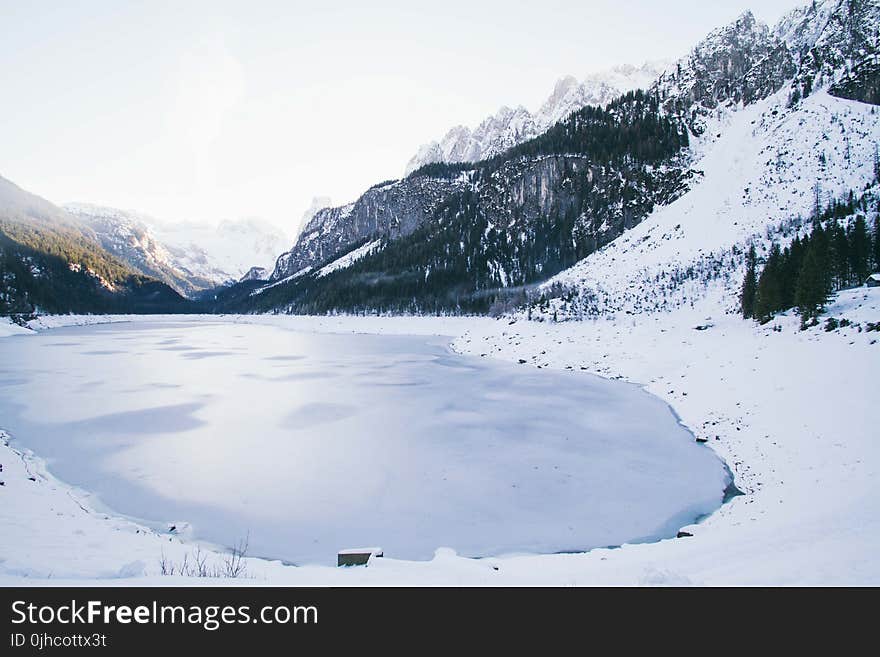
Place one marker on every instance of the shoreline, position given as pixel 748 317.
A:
pixel 564 346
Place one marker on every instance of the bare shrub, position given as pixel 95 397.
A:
pixel 195 563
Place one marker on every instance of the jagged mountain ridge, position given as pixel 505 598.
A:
pixel 818 45
pixel 734 65
pixel 511 126
pixel 189 257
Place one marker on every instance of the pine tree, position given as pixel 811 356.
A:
pixel 820 242
pixel 877 243
pixel 812 289
pixel 790 266
pixel 768 298
pixel 840 256
pixel 750 285
pixel 859 250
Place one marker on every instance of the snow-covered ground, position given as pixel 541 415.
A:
pixel 791 412
pixel 349 258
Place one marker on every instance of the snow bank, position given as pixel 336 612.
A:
pixel 10 328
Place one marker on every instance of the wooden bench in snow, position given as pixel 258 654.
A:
pixel 357 556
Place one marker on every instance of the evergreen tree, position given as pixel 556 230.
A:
pixel 768 298
pixel 811 268
pixel 877 243
pixel 821 244
pixel 812 288
pixel 840 256
pixel 750 285
pixel 790 266
pixel 859 250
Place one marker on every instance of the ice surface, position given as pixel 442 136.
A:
pixel 315 442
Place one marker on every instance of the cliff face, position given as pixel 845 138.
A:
pixel 602 200
pixel 394 210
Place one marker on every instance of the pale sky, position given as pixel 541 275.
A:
pixel 221 110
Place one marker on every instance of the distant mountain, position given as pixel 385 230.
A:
pixel 135 242
pixel 189 257
pixel 509 127
pixel 51 262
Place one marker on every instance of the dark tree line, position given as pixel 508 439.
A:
pixel 831 257
pixel 455 263
pixel 631 128
pixel 470 256
pixel 53 268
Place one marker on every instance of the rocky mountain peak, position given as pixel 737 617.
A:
pixel 511 126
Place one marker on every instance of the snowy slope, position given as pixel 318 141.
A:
pixel 759 167
pixel 759 163
pixel 349 258
pixel 512 126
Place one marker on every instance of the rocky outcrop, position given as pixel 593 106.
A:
pixel 393 209
pixel 827 43
pixel 255 274
pixel 862 84
pixel 737 64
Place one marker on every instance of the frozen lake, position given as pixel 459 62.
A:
pixel 316 442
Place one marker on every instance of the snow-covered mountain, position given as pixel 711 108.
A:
pixel 512 126
pixel 255 274
pixel 728 141
pixel 188 256
pixel 230 247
